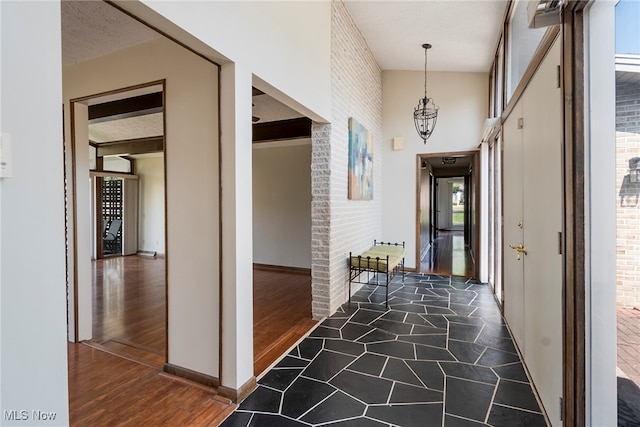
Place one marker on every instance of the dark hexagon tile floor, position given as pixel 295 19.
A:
pixel 441 355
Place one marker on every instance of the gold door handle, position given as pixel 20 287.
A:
pixel 520 249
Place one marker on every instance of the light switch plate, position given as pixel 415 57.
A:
pixel 5 156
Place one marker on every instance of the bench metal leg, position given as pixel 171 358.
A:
pixel 386 302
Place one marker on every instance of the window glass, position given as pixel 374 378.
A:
pixel 627 28
pixel 92 157
pixel 523 42
pixel 117 164
pixel 492 92
pixel 499 86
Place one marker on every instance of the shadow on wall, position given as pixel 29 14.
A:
pixel 630 189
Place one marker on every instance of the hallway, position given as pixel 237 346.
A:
pixel 448 256
pixel 440 356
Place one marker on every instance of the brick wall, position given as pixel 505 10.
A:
pixel 628 210
pixel 340 225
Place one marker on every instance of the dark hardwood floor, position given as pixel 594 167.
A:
pixel 129 308
pixel 448 256
pixel 281 313
pixel 117 378
pixel 107 390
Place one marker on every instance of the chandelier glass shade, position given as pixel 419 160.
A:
pixel 425 114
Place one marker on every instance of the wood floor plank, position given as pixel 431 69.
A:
pixel 449 256
pixel 117 379
pixel 129 303
pixel 105 389
pixel 281 313
pixel 130 309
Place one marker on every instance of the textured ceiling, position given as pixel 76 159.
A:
pixel 131 128
pixel 268 109
pixel 93 28
pixel 464 33
pixel 143 126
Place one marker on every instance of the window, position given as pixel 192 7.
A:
pixel 522 43
pixel 117 164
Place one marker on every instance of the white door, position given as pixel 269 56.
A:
pixel 513 189
pixel 532 222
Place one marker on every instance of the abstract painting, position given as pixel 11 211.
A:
pixel 360 162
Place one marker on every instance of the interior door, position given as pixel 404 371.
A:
pixel 513 202
pixel 532 223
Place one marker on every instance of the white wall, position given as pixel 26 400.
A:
pixel 253 33
pixel 150 171
pixel 191 155
pixel 282 204
pixel 341 225
pixel 600 227
pixel 33 349
pixel 284 49
pixel 237 243
pixel 462 98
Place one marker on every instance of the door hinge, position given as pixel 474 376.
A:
pixel 559 76
pixel 561 408
pixel 520 123
pixel 560 242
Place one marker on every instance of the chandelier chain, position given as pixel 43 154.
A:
pixel 425 73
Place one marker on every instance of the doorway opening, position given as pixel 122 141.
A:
pixel 445 226
pixel 124 134
pixel 450 212
pixel 281 174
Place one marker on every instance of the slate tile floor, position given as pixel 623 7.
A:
pixel 441 355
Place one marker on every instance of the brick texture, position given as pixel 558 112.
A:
pixel 628 209
pixel 340 225
pixel 629 342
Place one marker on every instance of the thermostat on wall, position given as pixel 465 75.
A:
pixel 398 143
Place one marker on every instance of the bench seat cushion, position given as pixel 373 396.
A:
pixel 395 253
pixel 384 250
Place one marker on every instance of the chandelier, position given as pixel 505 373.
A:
pixel 426 113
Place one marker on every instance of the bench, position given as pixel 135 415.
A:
pixel 381 258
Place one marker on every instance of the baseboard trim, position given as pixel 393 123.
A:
pixel 151 254
pixel 237 396
pixel 282 269
pixel 198 377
